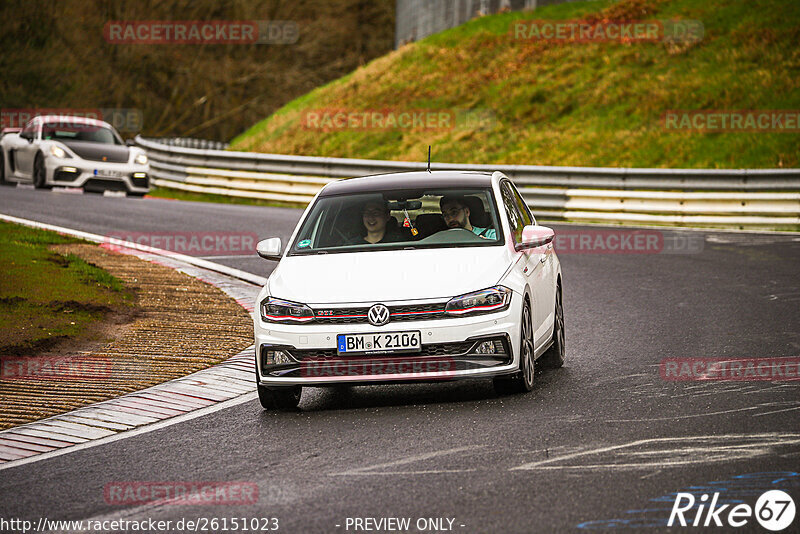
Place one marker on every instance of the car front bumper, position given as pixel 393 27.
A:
pixel 449 351
pixel 98 175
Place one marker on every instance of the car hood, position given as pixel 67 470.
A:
pixel 98 151
pixel 387 275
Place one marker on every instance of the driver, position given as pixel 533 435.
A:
pixel 456 215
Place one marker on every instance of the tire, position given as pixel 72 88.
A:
pixel 39 173
pixel 554 357
pixel 284 399
pixel 3 168
pixel 522 382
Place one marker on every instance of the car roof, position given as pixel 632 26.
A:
pixel 71 119
pixel 408 180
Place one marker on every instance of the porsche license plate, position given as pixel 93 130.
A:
pixel 385 342
pixel 100 173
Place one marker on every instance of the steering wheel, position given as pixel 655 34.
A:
pixel 452 235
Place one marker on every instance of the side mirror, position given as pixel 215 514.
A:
pixel 270 249
pixel 130 142
pixel 534 236
pixel 27 135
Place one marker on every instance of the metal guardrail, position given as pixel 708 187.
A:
pixel 728 198
pixel 190 142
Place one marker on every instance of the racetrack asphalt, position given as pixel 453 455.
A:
pixel 604 442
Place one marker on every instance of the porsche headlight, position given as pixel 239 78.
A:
pixel 57 151
pixel 494 299
pixel 141 159
pixel 283 311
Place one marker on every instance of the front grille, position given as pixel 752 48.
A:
pixel 433 349
pixel 415 312
pixel 98 184
pixel 456 356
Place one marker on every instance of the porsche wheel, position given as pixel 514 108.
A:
pixel 39 173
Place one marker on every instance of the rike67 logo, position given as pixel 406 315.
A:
pixel 774 510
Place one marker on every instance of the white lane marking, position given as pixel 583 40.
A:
pixel 428 472
pixel 683 416
pixel 96 238
pixel 370 470
pixel 229 257
pixel 247 397
pixel 777 411
pixel 654 473
pixel 718 448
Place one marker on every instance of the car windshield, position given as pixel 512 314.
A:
pixel 79 132
pixel 400 219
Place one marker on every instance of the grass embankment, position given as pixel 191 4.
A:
pixel 583 104
pixel 47 298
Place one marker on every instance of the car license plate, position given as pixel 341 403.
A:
pixel 108 174
pixel 384 342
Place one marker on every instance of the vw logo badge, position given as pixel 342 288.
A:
pixel 378 315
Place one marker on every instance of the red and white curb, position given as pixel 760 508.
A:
pixel 225 381
pixel 217 387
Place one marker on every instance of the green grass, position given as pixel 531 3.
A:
pixel 596 104
pixel 46 297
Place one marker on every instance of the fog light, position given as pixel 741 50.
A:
pixel 69 169
pixel 140 175
pixel 487 347
pixel 277 357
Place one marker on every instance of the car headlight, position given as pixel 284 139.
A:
pixel 494 299
pixel 283 311
pixel 141 159
pixel 57 151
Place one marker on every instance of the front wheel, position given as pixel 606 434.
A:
pixel 554 357
pixel 284 398
pixel 522 382
pixel 39 172
pixel 2 168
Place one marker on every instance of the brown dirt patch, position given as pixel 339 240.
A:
pixel 179 325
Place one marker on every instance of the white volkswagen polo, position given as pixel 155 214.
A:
pixel 409 277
